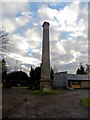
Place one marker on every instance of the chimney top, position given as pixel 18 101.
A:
pixel 45 24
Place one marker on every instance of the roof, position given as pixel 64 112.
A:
pixel 61 72
pixel 77 77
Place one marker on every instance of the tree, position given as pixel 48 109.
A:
pixel 6 43
pixel 4 72
pixel 31 79
pixel 87 69
pixel 52 74
pixel 32 73
pixel 18 78
pixel 35 75
pixel 4 40
pixel 80 70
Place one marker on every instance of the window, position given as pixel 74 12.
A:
pixel 75 82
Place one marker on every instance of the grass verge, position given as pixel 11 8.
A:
pixel 22 87
pixel 85 102
pixel 52 92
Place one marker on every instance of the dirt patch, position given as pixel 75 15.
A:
pixel 22 103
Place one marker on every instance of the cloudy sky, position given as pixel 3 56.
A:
pixel 68 33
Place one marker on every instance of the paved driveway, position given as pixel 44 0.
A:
pixel 23 104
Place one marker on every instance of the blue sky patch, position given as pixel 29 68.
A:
pixel 58 5
pixel 33 6
pixel 65 35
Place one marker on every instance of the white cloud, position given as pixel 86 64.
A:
pixel 28 60
pixel 60 16
pixel 67 51
pixel 23 19
pixel 9 25
pixel 19 51
pixel 10 11
pixel 20 43
pixel 34 37
pixel 12 8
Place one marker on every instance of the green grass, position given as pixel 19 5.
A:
pixel 22 87
pixel 85 102
pixel 52 92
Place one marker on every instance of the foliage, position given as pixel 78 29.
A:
pixel 52 74
pixel 5 80
pixel 34 80
pixel 4 40
pixel 5 43
pixel 4 69
pixel 87 69
pixel 4 72
pixel 35 75
pixel 52 92
pixel 80 70
pixel 18 78
pixel 85 102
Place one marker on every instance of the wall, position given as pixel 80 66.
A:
pixel 60 80
pixel 85 84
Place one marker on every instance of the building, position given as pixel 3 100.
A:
pixel 64 80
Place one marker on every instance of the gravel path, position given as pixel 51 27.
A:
pixel 19 103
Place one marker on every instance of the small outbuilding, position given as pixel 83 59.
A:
pixel 64 80
pixel 78 81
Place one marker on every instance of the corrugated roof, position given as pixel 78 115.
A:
pixel 77 77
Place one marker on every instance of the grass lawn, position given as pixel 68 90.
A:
pixel 52 92
pixel 22 87
pixel 85 102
